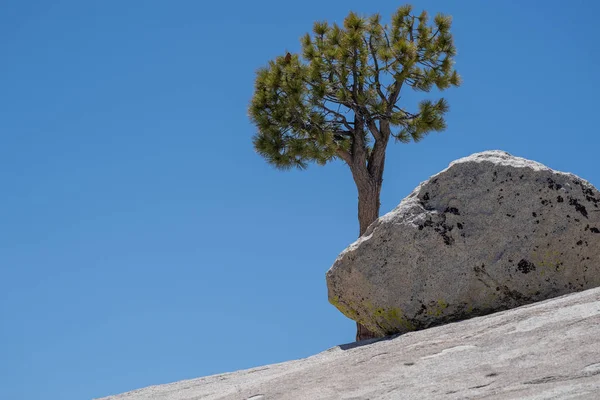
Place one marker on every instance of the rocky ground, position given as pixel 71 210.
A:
pixel 547 350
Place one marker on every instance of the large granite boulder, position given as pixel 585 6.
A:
pixel 490 232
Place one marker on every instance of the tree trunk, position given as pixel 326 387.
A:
pixel 368 205
pixel 369 192
pixel 367 170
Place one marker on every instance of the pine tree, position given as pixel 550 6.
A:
pixel 340 98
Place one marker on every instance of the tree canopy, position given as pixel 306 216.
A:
pixel 340 97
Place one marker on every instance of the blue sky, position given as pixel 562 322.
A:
pixel 142 241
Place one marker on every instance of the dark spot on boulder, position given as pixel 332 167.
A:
pixel 452 210
pixel 459 225
pixel 587 191
pixel 422 309
pixel 579 243
pixel 581 209
pixel 592 199
pixel 521 177
pixel 534 214
pixel 545 202
pixel 595 230
pixel 525 266
pixel 448 240
pixel 426 197
pixel 553 185
pixel 559 199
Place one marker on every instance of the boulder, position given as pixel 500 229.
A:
pixel 548 350
pixel 491 232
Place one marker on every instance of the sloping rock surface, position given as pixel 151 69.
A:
pixel 548 350
pixel 491 232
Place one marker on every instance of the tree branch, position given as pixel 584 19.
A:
pixel 354 81
pixel 344 155
pixel 376 160
pixel 409 115
pixel 411 28
pixel 434 35
pixel 395 92
pixel 376 63
pixel 387 39
pixel 332 99
pixel 373 129
pixel 344 121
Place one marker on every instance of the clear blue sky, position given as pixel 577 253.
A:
pixel 142 241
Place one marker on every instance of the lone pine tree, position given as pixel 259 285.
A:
pixel 340 98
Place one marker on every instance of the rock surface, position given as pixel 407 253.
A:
pixel 491 232
pixel 548 350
